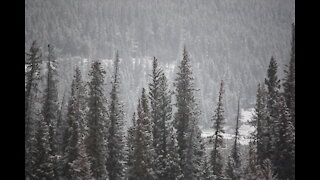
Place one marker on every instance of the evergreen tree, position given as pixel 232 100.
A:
pixel 73 148
pixel 233 170
pixel 50 107
pixel 273 95
pixel 143 147
pixel 173 169
pixel 289 80
pixel 156 97
pixel 267 170
pixel 97 122
pixel 260 122
pixel 186 119
pixel 43 166
pixel 80 168
pixel 218 118
pixel 32 78
pixel 116 144
pixel 207 169
pixel 166 159
pixel 131 147
pixel 32 75
pixel 285 156
pixel 252 168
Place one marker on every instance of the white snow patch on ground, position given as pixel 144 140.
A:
pixel 244 130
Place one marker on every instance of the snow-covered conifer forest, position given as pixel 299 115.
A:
pixel 160 90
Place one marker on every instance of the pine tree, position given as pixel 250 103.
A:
pixel 43 166
pixel 260 121
pixel 173 169
pixel 158 120
pixel 32 75
pixel 130 147
pixel 198 152
pixel 233 170
pixel 73 149
pixel 285 156
pixel 207 169
pixel 116 144
pixel 186 119
pixel 143 147
pixel 218 118
pixel 166 162
pixel 273 95
pixel 155 97
pixel 267 170
pixel 80 168
pixel 50 107
pixel 289 80
pixel 97 123
pixel 252 169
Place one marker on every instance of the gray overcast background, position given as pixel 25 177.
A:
pixel 227 39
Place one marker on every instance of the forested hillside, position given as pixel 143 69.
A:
pixel 159 90
pixel 231 40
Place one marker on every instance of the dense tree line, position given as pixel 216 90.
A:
pixel 226 38
pixel 164 140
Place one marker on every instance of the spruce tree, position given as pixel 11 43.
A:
pixel 289 80
pixel 207 169
pixel 233 170
pixel 131 147
pixel 32 101
pixel 260 122
pixel 74 149
pixel 186 119
pixel 43 166
pixel 50 107
pixel 80 167
pixel 173 169
pixel 32 77
pixel 218 118
pixel 252 169
pixel 155 97
pixel 267 170
pixel 285 156
pixel 97 122
pixel 116 144
pixel 273 95
pixel 143 148
pixel 166 159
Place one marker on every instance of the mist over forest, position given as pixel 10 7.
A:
pixel 216 77
pixel 227 40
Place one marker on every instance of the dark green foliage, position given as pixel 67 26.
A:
pixel 50 107
pixel 143 152
pixel 116 144
pixel 252 169
pixel 131 146
pixel 289 80
pixel 32 92
pixel 285 144
pixel 207 169
pixel 233 170
pixel 43 166
pixel 75 160
pixel 97 122
pixel 218 118
pixel 273 95
pixel 164 140
pixel 260 122
pixel 186 121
